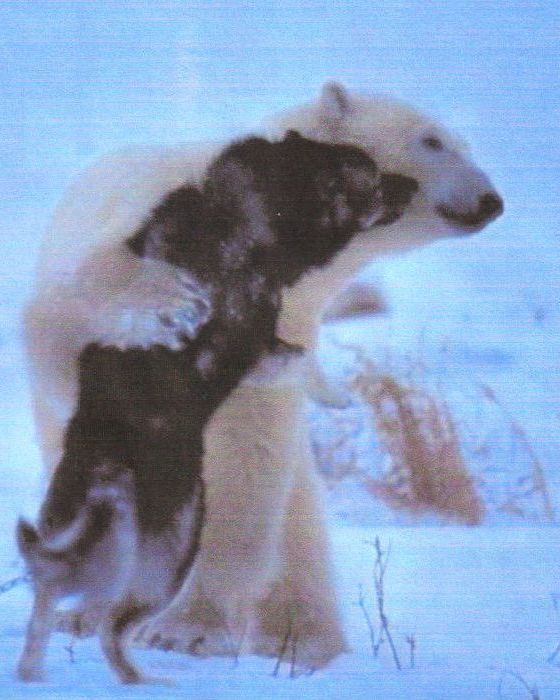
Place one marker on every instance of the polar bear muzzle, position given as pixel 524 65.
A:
pixel 490 207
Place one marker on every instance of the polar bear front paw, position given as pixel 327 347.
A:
pixel 304 654
pixel 178 635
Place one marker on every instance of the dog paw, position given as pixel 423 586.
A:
pixel 29 673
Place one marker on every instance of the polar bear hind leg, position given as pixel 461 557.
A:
pixel 264 566
pixel 299 620
pixel 248 470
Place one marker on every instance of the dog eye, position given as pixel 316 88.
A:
pixel 433 143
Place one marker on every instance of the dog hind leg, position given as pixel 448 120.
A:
pixel 31 663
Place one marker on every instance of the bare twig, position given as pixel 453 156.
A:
pixel 283 647
pixel 70 649
pixel 411 641
pixel 555 602
pixel 290 640
pixel 369 623
pixel 554 654
pixel 533 691
pixel 234 646
pixel 379 569
pixel 13 582
pixel 293 658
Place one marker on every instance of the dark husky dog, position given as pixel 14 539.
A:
pixel 121 521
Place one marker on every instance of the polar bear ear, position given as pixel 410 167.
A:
pixel 335 101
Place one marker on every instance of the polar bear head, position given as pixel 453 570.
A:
pixel 455 197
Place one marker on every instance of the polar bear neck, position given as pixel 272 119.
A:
pixel 304 302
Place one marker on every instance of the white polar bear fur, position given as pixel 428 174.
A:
pixel 264 567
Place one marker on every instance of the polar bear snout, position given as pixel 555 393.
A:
pixel 490 207
pixel 464 197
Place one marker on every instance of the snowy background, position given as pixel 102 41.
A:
pixel 82 78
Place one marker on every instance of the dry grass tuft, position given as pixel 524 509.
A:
pixel 427 471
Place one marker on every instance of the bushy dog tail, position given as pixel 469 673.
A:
pixel 107 502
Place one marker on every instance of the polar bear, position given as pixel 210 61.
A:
pixel 121 522
pixel 264 547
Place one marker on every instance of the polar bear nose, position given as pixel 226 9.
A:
pixel 490 206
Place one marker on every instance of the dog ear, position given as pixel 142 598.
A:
pixel 397 190
pixel 293 135
pixel 27 537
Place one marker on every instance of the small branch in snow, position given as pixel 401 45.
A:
pixel 236 648
pixel 555 653
pixel 411 641
pixel 13 582
pixel 290 643
pixel 70 649
pixel 283 648
pixel 293 658
pixel 379 570
pixel 533 691
pixel 367 617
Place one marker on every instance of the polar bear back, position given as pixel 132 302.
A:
pixel 113 197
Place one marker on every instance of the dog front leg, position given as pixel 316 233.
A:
pixel 115 630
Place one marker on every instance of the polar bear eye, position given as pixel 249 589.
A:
pixel 433 143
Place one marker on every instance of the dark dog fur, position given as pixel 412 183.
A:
pixel 121 521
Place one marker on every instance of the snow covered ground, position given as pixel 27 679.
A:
pixel 82 78
pixel 477 602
